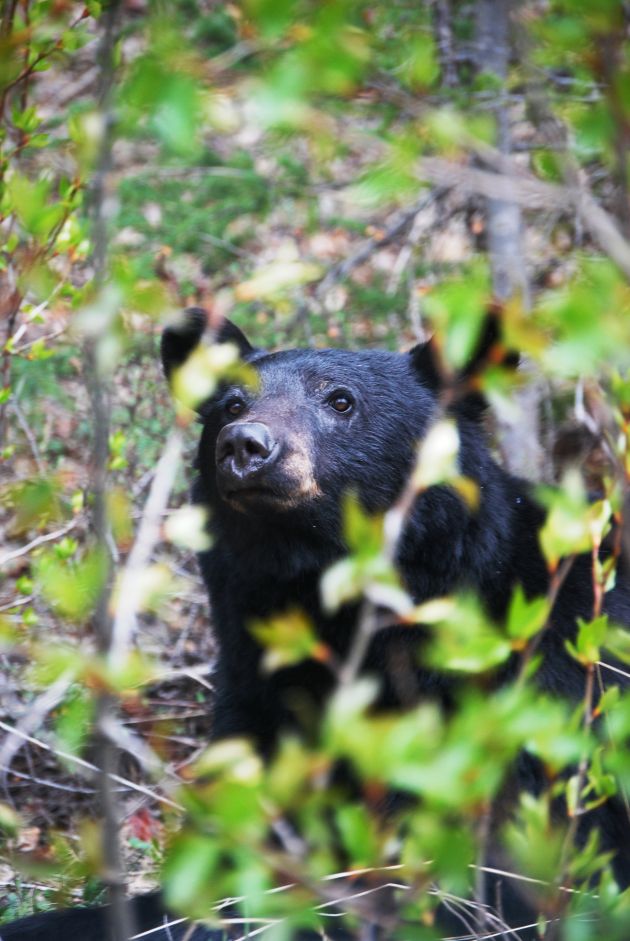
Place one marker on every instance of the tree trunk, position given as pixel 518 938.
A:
pixel 520 437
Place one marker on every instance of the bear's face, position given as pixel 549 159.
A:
pixel 317 425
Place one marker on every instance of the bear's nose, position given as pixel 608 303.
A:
pixel 244 448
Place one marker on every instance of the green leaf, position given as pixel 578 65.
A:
pixel 276 278
pixel 590 637
pixel 24 585
pixel 66 547
pixel 188 527
pixel 128 676
pixel 547 165
pixel 349 702
pixel 363 533
pixel 72 588
pixel 198 378
pixel 533 841
pixel 589 320
pixel 36 502
pixel 32 204
pixel 374 577
pixel 608 700
pixel 442 846
pixel 594 128
pixel 230 759
pixel 271 16
pixel 458 310
pixel 177 115
pixel 73 720
pixel 438 456
pixel 189 871
pixel 566 530
pixel 526 618
pixel 358 834
pixel 419 67
pixel 288 639
pixel 466 640
pixel 617 641
pixel 53 661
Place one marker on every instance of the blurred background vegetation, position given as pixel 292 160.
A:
pixel 333 173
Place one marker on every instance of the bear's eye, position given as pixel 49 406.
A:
pixel 234 406
pixel 341 401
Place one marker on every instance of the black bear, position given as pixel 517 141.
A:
pixel 273 465
pixel 275 460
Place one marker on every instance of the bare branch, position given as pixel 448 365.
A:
pixel 119 914
pixel 531 193
pixel 88 766
pixel 130 589
pixel 28 434
pixel 38 541
pixel 33 718
pixel 398 227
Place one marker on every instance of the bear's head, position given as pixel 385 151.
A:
pixel 314 425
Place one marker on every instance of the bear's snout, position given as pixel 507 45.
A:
pixel 244 450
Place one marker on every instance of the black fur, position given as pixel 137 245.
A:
pixel 272 467
pixel 270 549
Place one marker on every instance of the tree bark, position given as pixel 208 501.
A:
pixel 520 440
pixel 120 922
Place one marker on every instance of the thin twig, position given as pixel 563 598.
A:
pixel 49 336
pixel 160 173
pixel 126 740
pixel 564 866
pixel 54 785
pixel 131 588
pixel 11 605
pixel 609 666
pixel 521 878
pixel 38 541
pixel 119 915
pixel 28 434
pixel 82 763
pixel 33 719
pixel 557 581
pixel 10 301
pixel 400 224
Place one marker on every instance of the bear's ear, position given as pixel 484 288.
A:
pixel 181 338
pixel 457 392
pixel 461 391
pixel 426 361
pixel 491 349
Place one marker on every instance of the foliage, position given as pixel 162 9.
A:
pixel 256 148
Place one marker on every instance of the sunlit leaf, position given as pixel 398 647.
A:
pixel 189 870
pixel 466 640
pixel 438 456
pixel 205 367
pixel 566 529
pixel 276 278
pixel 72 587
pixel 288 639
pixel 458 309
pixel 234 758
pixel 526 617
pixel 33 205
pixel 188 527
pixel 73 720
